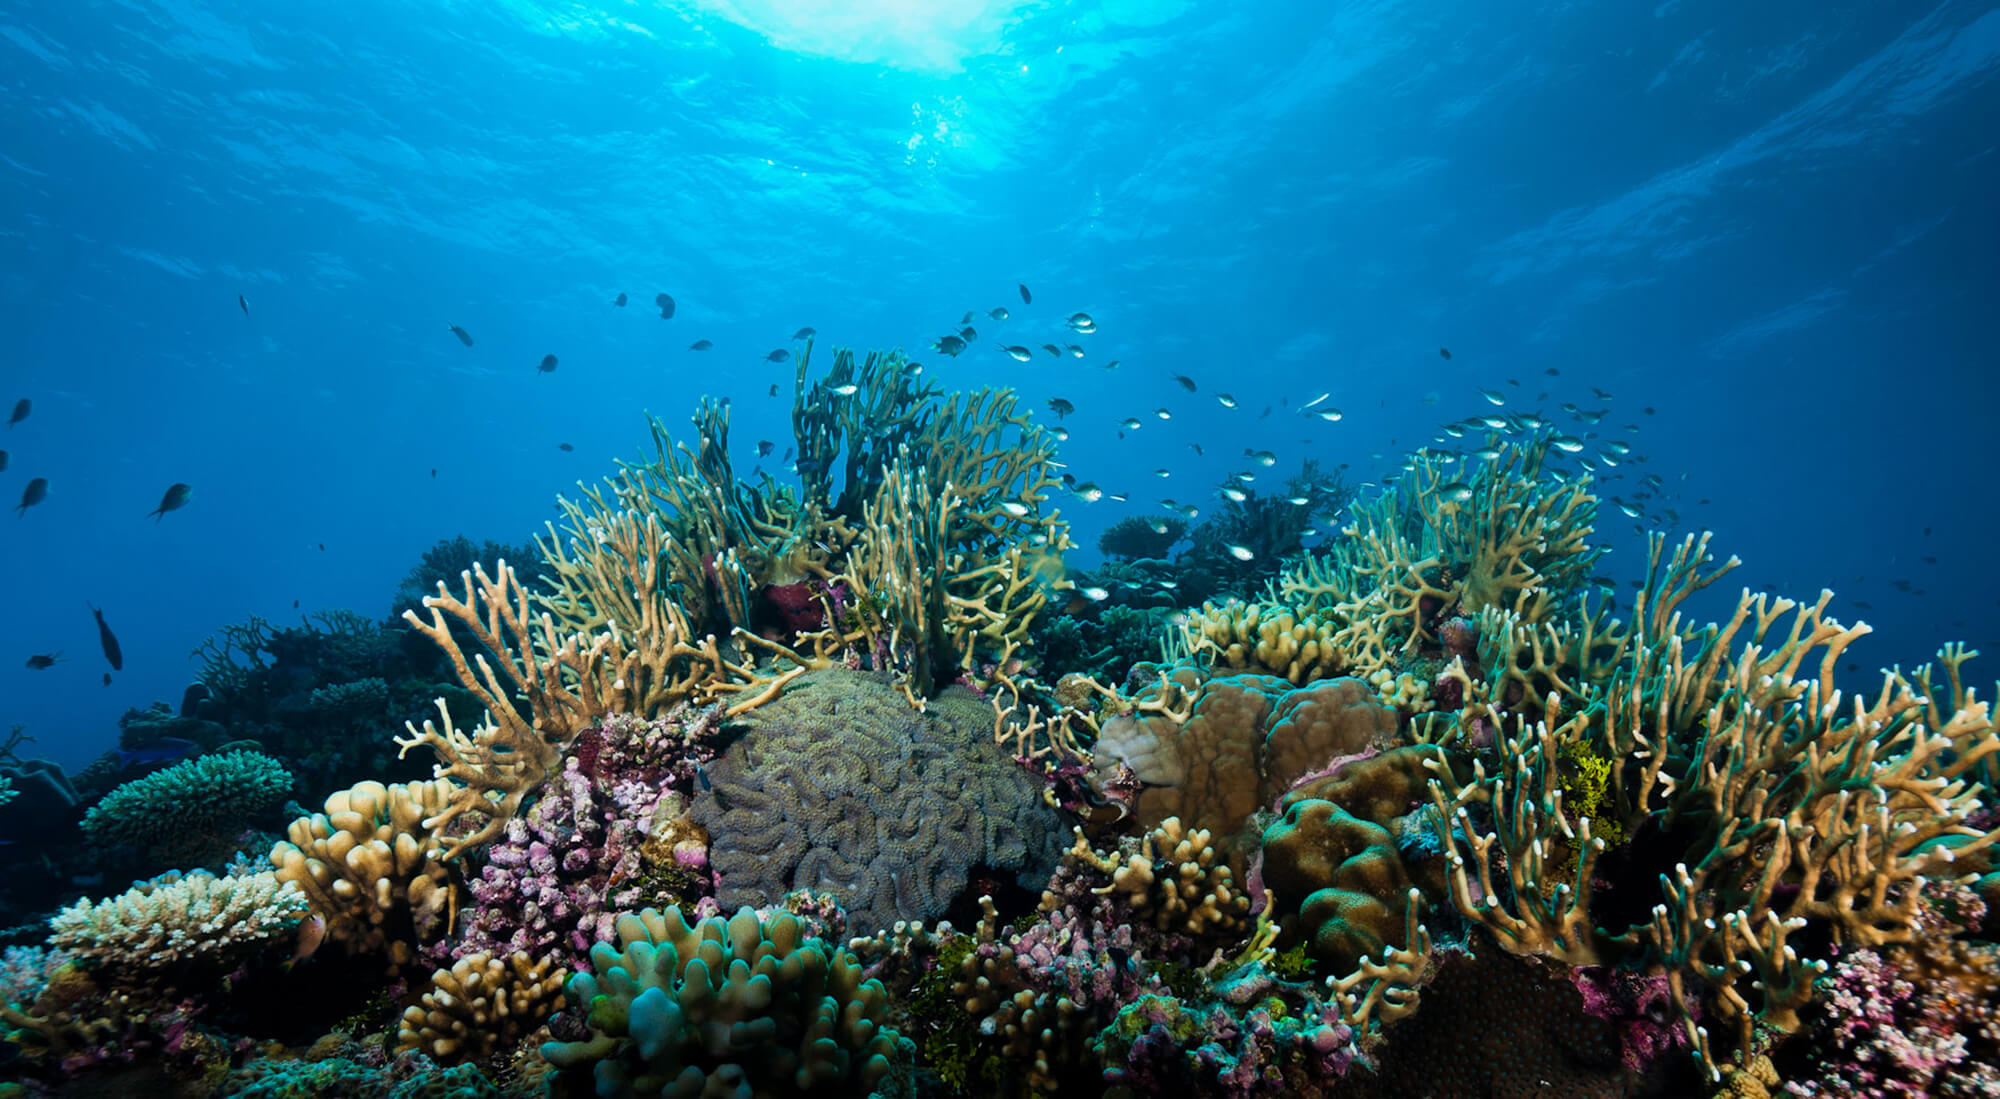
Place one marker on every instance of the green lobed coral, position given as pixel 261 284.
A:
pixel 747 1006
pixel 190 809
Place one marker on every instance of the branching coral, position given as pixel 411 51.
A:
pixel 482 1006
pixel 737 1006
pixel 180 922
pixel 190 809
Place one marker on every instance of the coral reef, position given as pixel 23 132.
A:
pixel 180 921
pixel 372 866
pixel 839 786
pixel 190 811
pixel 482 1006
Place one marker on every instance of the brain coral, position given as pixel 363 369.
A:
pixel 839 786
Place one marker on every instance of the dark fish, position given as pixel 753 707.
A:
pixel 1187 383
pixel 1553 372
pixel 1648 410
pixel 666 304
pixel 434 474
pixel 765 447
pixel 1197 449
pixel 968 333
pixel 701 345
pixel 788 454
pixel 1026 298
pixel 1445 352
pixel 3 461
pixel 565 447
pixel 619 301
pixel 778 356
pixel 1266 412
pixel 176 498
pixel 948 345
pixel 1929 560
pixel 21 409
pixel 112 654
pixel 548 365
pixel 999 314
pixel 804 334
pixel 107 679
pixel 42 661
pixel 322 547
pixel 464 337
pixel 774 389
pixel 167 749
pixel 35 493
pixel 1052 349
pixel 243 305
pixel 1061 407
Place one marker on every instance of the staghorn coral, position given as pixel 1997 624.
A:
pixel 482 1007
pixel 180 922
pixel 190 810
pixel 373 867
pixel 1168 877
pixel 839 786
pixel 746 1005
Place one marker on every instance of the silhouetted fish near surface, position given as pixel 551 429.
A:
pixel 1187 383
pixel 774 389
pixel 1061 407
pixel 243 305
pixel 565 447
pixel 1026 298
pixel 44 661
pixel 21 409
pixel 548 365
pixel 112 654
pixel 666 304
pixel 619 301
pixel 1444 352
pixel 804 334
pixel 464 337
pixel 36 491
pixel 948 345
pixel 107 679
pixel 176 498
pixel 765 447
pixel 778 356
pixel 701 345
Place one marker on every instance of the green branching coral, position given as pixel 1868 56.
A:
pixel 192 809
pixel 743 1006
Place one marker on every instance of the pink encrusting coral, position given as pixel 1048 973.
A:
pixel 603 838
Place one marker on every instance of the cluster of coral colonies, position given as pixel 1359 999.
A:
pixel 1418 817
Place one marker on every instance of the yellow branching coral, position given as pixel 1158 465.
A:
pixel 482 1006
pixel 373 867
pixel 1388 990
pixel 1171 875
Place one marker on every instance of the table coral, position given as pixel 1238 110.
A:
pixel 192 809
pixel 839 786
pixel 746 1005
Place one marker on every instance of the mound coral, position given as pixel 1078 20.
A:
pixel 743 1006
pixel 372 866
pixel 839 786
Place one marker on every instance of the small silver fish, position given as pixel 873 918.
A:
pixel 1458 492
pixel 1226 400
pixel 1330 415
pixel 848 390
pixel 1095 595
pixel 1241 553
pixel 1493 396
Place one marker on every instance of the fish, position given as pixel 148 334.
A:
pixel 243 305
pixel 1648 410
pixel 1225 400
pixel 948 345
pixel 1061 434
pixel 701 345
pixel 1060 407
pixel 36 491
pixel 1095 595
pixel 1234 495
pixel 1026 298
pixel 1330 415
pixel 774 390
pixel 565 448
pixel 1075 351
pixel 1458 492
pixel 21 409
pixel 619 301
pixel 44 661
pixel 765 447
pixel 176 497
pixel 778 356
pixel 1163 414
pixel 848 390
pixel 1187 383
pixel 1600 394
pixel 1131 424
pixel 107 679
pixel 548 365
pixel 1297 501
pixel 1014 508
pixel 999 314
pixel 3 461
pixel 1088 492
pixel 464 337
pixel 1196 447
pixel 113 655
pixel 1444 352
pixel 666 304
pixel 804 334
pixel 1262 457
pixel 1553 372
pixel 1081 322
pixel 1113 364
pixel 969 334
pixel 1315 401
pixel 1190 510
pixel 1568 444
pixel 1241 553
pixel 167 749
pixel 1019 354
pixel 1493 396
pixel 1163 472
pixel 1052 349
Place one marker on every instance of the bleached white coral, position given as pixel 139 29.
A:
pixel 176 918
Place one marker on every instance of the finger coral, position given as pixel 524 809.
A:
pixel 482 1006
pixel 372 866
pixel 742 1006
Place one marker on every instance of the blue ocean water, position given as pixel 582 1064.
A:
pixel 1768 231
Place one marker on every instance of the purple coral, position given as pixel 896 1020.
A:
pixel 564 870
